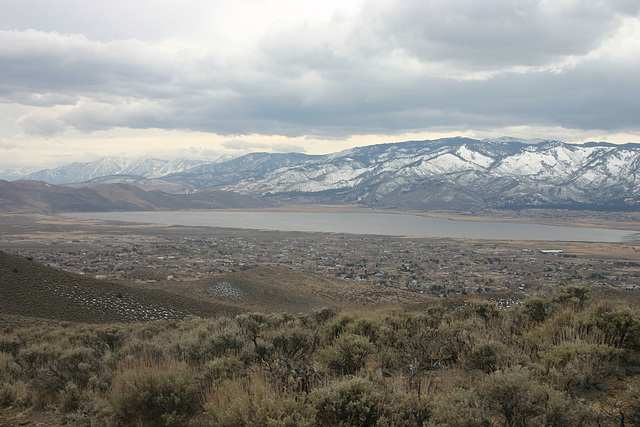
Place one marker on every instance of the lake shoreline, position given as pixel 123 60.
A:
pixel 580 219
pixel 372 222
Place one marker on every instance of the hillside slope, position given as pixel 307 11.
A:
pixel 39 196
pixel 31 289
pixel 273 288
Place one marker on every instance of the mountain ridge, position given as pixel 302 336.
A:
pixel 38 196
pixel 448 173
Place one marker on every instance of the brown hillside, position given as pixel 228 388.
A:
pixel 31 289
pixel 272 288
pixel 39 196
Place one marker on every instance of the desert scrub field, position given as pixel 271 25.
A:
pixel 562 359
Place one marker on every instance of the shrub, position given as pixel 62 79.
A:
pixel 78 365
pixel 352 402
pixel 458 337
pixel 561 411
pixel 348 354
pixel 460 408
pixel 520 401
pixel 485 310
pixel 10 345
pixel 574 295
pixel 10 371
pixel 222 368
pixel 621 326
pixel 7 394
pixel 14 393
pixel 46 386
pixel 401 410
pixel 537 308
pixel 578 364
pixel 324 314
pixel 338 326
pixel 227 341
pixel 250 401
pixel 38 355
pixel 632 410
pixel 394 331
pixel 293 343
pixel 70 398
pixel 487 356
pixel 513 396
pixel 365 327
pixel 152 395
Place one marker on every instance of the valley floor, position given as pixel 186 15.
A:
pixel 414 330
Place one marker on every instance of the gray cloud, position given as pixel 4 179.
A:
pixel 393 67
pixel 41 123
pixel 490 34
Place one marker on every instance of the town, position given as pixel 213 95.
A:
pixel 441 268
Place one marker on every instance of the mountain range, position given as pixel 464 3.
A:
pixel 450 173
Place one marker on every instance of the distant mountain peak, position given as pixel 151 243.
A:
pixel 446 173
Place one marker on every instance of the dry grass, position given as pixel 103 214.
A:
pixel 353 367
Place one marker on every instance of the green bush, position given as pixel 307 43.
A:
pixel 262 412
pixel 574 295
pixel 348 354
pixel 7 394
pixel 365 327
pixel 632 409
pixel 10 371
pixel 487 356
pixel 621 326
pixel 578 364
pixel 513 396
pixel 10 345
pixel 460 408
pixel 488 311
pixel 405 410
pixel 324 314
pixel 293 343
pixel 155 396
pixel 353 402
pixel 78 365
pixel 561 411
pixel 38 355
pixel 222 368
pixel 71 398
pixel 519 400
pixel 537 308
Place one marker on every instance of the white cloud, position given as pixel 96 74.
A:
pixel 322 71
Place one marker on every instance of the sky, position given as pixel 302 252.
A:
pixel 203 78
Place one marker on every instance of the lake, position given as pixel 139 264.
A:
pixel 370 223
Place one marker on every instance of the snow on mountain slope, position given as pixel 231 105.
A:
pixel 443 173
pixel 80 172
pixel 493 172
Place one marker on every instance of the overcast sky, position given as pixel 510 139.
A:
pixel 201 78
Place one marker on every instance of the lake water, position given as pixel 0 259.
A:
pixel 370 223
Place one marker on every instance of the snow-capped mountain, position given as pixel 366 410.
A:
pixel 461 172
pixel 80 172
pixel 450 173
pixel 249 167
